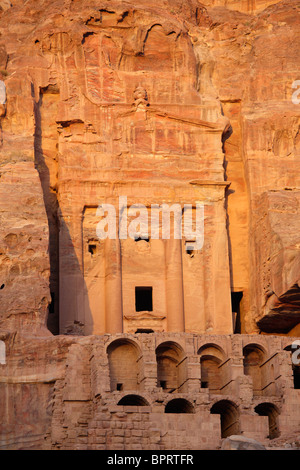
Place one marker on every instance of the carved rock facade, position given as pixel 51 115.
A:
pixel 179 104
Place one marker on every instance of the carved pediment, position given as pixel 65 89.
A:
pixel 145 315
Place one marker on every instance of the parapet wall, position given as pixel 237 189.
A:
pixel 146 391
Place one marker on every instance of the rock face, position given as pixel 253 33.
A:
pixel 136 106
pixel 241 443
pixel 24 246
pixel 133 100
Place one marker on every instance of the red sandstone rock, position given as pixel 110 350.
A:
pixel 180 102
pixel 80 88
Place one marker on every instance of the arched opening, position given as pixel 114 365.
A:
pixel 179 405
pixel 229 416
pixel 211 356
pixel 124 365
pixel 270 410
pixel 133 400
pixel 295 353
pixel 210 376
pixel 170 369
pixel 254 357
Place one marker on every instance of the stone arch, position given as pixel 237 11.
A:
pixel 256 346
pixel 124 359
pixel 254 357
pixel 270 410
pixel 171 369
pixel 213 350
pixel 295 366
pixel 211 356
pixel 133 400
pixel 2 353
pixel 229 415
pixel 179 405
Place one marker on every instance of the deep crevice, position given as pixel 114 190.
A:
pixel 51 207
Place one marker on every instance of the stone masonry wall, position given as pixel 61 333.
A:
pixel 69 403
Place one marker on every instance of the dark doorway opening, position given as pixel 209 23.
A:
pixel 179 405
pixel 133 400
pixel 143 299
pixel 229 415
pixel 236 298
pixel 270 410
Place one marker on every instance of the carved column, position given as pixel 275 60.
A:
pixel 174 285
pixel 71 280
pixel 113 286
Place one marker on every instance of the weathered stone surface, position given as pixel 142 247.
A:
pixel 24 261
pixel 129 98
pixel 279 278
pixel 176 102
pixel 70 392
pixel 241 443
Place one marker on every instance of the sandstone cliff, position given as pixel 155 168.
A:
pixel 172 99
pixel 244 59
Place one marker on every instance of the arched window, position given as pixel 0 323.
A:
pixel 270 410
pixel 211 356
pixel 170 369
pixel 179 405
pixel 133 400
pixel 124 365
pixel 296 367
pixel 254 357
pixel 229 416
pixel 210 377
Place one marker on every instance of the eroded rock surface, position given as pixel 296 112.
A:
pixel 241 443
pixel 63 72
pixel 176 101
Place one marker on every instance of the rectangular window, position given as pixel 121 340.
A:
pixel 236 298
pixel 143 299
